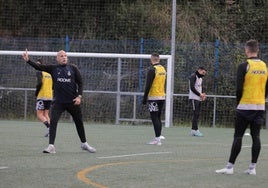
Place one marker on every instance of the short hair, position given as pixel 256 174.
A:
pixel 252 46
pixel 155 57
pixel 202 68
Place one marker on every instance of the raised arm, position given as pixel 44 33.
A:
pixel 37 66
pixel 25 55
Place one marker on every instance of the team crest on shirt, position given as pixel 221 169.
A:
pixel 69 73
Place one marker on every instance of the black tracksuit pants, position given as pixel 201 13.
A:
pixel 254 118
pixel 196 107
pixel 56 110
pixel 155 109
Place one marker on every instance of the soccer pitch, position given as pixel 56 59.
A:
pixel 123 159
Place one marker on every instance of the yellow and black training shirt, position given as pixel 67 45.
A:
pixel 44 86
pixel 155 83
pixel 252 85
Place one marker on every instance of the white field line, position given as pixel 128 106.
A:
pixel 249 146
pixel 227 145
pixel 3 167
pixel 154 153
pixel 133 155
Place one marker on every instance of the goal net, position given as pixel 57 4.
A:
pixel 113 85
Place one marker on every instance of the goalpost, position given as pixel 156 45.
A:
pixel 120 59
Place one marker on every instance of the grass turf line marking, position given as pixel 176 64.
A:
pixel 3 167
pixel 81 175
pixel 265 145
pixel 133 155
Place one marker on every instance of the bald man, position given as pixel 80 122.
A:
pixel 68 88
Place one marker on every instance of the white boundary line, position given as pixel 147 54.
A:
pixel 249 146
pixel 133 155
pixel 154 153
pixel 3 167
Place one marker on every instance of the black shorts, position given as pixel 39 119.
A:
pixel 43 104
pixel 251 116
pixel 155 105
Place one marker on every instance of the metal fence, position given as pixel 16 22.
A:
pixel 23 107
pixel 100 100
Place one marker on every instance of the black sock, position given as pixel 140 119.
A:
pixel 46 124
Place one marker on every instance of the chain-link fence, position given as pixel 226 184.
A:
pixel 208 33
pixel 100 74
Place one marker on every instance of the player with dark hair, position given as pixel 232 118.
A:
pixel 155 94
pixel 251 91
pixel 44 96
pixel 196 96
pixel 67 86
